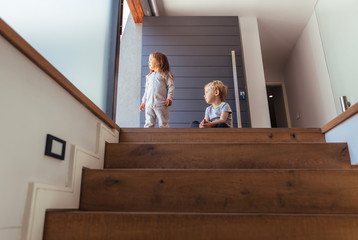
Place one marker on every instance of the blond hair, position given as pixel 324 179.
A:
pixel 218 85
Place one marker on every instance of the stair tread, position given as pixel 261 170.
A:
pixel 201 130
pixel 77 211
pixel 351 170
pixel 222 143
pixel 221 135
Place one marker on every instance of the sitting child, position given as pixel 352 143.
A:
pixel 219 114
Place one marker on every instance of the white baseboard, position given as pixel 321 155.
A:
pixel 44 196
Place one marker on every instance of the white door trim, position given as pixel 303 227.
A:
pixel 283 87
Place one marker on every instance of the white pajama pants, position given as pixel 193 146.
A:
pixel 152 113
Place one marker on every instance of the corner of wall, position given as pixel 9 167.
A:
pixel 307 80
pixel 129 77
pixel 254 71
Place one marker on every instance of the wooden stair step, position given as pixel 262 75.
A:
pixel 227 155
pixel 222 135
pixel 240 191
pixel 77 225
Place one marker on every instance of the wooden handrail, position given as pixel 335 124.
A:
pixel 340 118
pixel 17 41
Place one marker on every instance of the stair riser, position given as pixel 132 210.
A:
pixel 250 191
pixel 222 135
pixel 228 156
pixel 229 137
pixel 94 226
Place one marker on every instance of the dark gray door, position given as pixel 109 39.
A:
pixel 199 51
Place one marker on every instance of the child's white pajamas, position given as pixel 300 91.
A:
pixel 157 91
pixel 151 113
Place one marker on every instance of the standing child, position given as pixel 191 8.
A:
pixel 219 114
pixel 159 91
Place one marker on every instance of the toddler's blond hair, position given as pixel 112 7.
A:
pixel 218 85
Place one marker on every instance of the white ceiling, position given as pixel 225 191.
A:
pixel 280 21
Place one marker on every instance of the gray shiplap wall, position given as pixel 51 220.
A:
pixel 199 51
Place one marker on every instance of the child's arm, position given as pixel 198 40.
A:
pixel 223 117
pixel 171 89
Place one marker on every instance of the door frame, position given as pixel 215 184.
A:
pixel 283 87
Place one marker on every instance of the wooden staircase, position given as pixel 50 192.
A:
pixel 216 184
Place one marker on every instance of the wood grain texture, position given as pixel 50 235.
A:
pixel 221 191
pixel 216 203
pixel 17 41
pixel 156 226
pixel 135 6
pixel 227 155
pixel 222 135
pixel 341 118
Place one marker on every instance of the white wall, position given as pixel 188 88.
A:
pixel 273 75
pixel 33 105
pixel 337 22
pixel 346 132
pixel 72 35
pixel 129 78
pixel 307 81
pixel 254 72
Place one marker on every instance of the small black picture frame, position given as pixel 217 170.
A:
pixel 55 147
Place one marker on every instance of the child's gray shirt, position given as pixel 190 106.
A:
pixel 157 89
pixel 215 113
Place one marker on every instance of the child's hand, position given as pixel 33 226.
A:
pixel 168 102
pixel 141 108
pixel 204 124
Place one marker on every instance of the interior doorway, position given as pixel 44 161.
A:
pixel 277 106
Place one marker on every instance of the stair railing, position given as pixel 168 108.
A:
pixel 236 88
